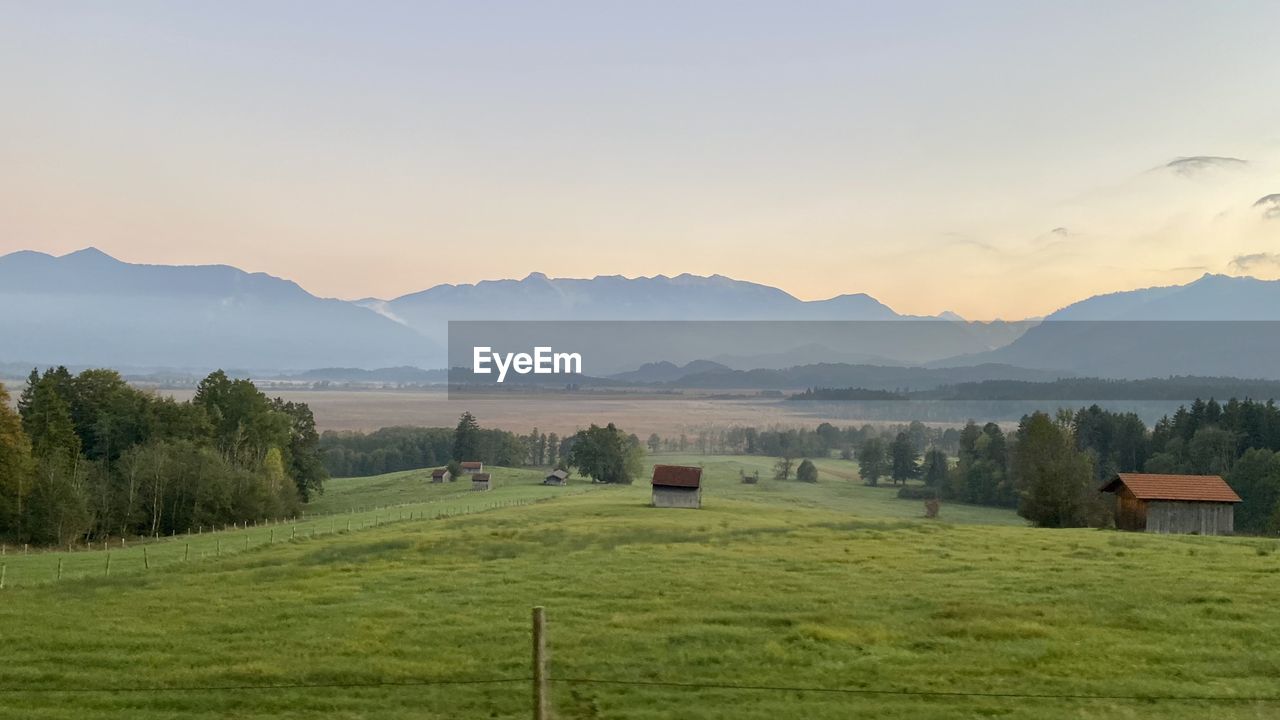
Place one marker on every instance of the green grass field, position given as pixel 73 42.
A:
pixel 781 585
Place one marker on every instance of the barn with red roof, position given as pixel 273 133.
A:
pixel 1188 504
pixel 677 486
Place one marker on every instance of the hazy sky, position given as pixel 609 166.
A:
pixel 993 158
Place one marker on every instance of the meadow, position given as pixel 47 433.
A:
pixel 833 586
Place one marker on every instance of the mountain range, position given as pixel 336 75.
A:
pixel 87 308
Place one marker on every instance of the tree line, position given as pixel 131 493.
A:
pixel 1049 468
pixel 392 449
pixel 605 454
pixel 88 456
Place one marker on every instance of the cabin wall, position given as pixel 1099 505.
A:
pixel 1131 513
pixel 480 485
pixel 677 497
pixel 1203 518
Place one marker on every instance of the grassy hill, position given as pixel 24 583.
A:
pixel 776 585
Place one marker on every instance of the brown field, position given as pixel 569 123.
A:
pixel 373 409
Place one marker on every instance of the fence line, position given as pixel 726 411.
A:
pixel 476 503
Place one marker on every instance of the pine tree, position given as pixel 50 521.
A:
pixel 466 438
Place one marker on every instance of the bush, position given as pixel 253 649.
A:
pixel 807 472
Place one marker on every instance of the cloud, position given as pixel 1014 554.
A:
pixel 1270 205
pixel 1255 261
pixel 1196 165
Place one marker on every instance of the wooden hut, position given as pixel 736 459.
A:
pixel 1199 504
pixel 481 481
pixel 556 477
pixel 677 486
pixel 471 467
pixel 440 475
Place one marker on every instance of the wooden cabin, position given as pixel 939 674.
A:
pixel 1187 504
pixel 481 481
pixel 677 486
pixel 440 475
pixel 471 467
pixel 556 477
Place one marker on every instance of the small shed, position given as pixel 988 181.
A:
pixel 440 475
pixel 481 481
pixel 471 467
pixel 556 477
pixel 677 486
pixel 1199 504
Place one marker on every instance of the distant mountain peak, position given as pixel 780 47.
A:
pixel 89 254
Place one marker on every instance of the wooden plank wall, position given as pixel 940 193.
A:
pixel 669 497
pixel 1168 516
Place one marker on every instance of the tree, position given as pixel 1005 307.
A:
pixel 303 450
pixel 872 461
pixel 935 467
pixel 606 455
pixel 903 458
pixel 1256 478
pixel 553 449
pixel 16 467
pixel 807 471
pixel 466 438
pixel 782 468
pixel 654 442
pixel 1055 481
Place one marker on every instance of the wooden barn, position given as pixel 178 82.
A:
pixel 1199 504
pixel 471 467
pixel 481 481
pixel 556 477
pixel 677 486
pixel 440 475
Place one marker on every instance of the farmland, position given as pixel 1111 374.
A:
pixel 777 585
pixel 368 410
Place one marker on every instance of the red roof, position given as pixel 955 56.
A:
pixel 1194 488
pixel 439 472
pixel 677 476
pixel 481 477
pixel 471 465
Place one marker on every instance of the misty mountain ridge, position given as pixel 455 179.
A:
pixel 87 308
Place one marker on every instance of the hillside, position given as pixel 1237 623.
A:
pixel 89 309
pixel 829 586
pixel 1215 326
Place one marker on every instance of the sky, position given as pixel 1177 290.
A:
pixel 996 159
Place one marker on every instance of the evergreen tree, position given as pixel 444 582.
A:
pixel 903 458
pixel 872 461
pixel 466 438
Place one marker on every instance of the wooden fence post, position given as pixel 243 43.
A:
pixel 59 568
pixel 186 553
pixel 4 570
pixel 541 698
pixel 107 572
pixel 146 562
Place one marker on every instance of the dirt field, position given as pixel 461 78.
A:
pixel 373 409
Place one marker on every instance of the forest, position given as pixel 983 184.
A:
pixel 87 456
